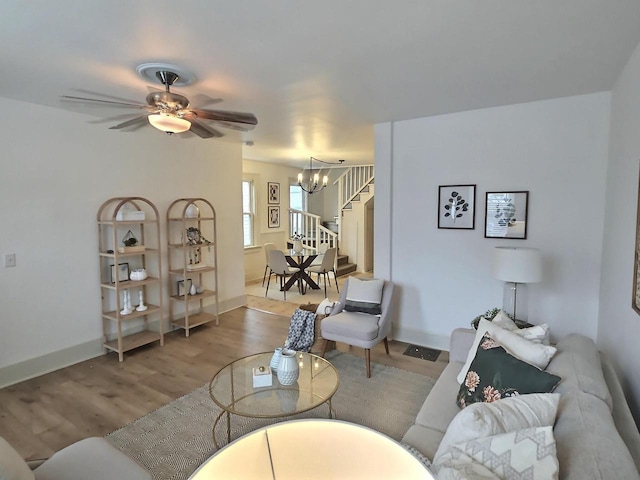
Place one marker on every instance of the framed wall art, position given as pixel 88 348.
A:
pixel 274 217
pixel 506 215
pixel 184 289
pixel 635 297
pixel 273 189
pixel 123 272
pixel 457 206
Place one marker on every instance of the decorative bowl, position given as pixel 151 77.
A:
pixel 138 274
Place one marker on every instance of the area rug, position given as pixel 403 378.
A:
pixel 174 440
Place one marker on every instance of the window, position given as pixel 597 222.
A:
pixel 296 197
pixel 248 212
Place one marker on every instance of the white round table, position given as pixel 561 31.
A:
pixel 313 449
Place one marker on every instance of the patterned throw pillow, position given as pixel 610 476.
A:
pixel 528 454
pixel 364 296
pixel 495 374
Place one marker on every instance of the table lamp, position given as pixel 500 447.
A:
pixel 516 266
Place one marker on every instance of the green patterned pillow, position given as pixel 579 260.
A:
pixel 495 374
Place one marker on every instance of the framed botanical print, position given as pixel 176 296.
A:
pixel 457 206
pixel 506 215
pixel 273 192
pixel 274 217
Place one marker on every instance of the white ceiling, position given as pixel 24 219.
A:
pixel 319 74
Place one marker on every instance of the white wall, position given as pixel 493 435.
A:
pixel 57 169
pixel 262 173
pixel 556 149
pixel 618 323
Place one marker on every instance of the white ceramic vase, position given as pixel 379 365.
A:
pixel 288 367
pixel 275 359
pixel 297 246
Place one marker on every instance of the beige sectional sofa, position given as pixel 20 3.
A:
pixel 596 436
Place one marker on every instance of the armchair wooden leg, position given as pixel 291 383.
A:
pixel 324 347
pixel 367 356
pixel 386 345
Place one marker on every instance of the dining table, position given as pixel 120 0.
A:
pixel 301 259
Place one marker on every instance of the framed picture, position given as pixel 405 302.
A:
pixel 457 206
pixel 123 272
pixel 273 193
pixel 635 296
pixel 506 215
pixel 274 217
pixel 182 290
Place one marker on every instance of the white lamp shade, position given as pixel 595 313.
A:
pixel 518 265
pixel 169 123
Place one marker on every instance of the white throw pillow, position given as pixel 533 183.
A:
pixel 536 333
pixel 502 416
pixel 364 296
pixel 533 353
pixel 529 453
pixel 12 465
pixel 504 321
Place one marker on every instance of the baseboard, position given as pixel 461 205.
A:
pixel 34 367
pixel 418 337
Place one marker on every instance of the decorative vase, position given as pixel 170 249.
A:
pixel 192 211
pixel 297 246
pixel 288 367
pixel 193 290
pixel 275 359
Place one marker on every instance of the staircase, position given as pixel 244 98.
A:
pixel 344 267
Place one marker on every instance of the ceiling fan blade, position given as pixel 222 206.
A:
pixel 233 126
pixel 134 122
pixel 226 116
pixel 96 101
pixel 104 95
pixel 204 131
pixel 201 100
pixel 117 118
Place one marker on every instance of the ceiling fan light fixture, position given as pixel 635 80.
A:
pixel 169 123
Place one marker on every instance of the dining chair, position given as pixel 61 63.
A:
pixel 280 268
pixel 322 249
pixel 327 265
pixel 267 248
pixel 350 323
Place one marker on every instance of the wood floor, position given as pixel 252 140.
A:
pixel 95 397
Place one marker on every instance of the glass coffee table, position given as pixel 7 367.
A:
pixel 232 390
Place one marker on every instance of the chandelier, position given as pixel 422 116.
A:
pixel 313 184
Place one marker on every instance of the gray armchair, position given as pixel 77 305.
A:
pixel 359 329
pixel 92 458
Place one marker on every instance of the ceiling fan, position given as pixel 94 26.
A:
pixel 172 113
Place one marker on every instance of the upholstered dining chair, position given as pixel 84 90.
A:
pixel 327 265
pixel 322 249
pixel 361 317
pixel 280 268
pixel 93 458
pixel 267 248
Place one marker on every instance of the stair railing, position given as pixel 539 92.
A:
pixel 308 225
pixel 352 182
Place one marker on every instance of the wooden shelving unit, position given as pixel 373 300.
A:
pixel 113 226
pixel 192 258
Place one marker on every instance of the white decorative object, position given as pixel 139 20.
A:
pixel 262 377
pixel 126 303
pixel 192 211
pixel 141 307
pixel 192 290
pixel 275 359
pixel 138 274
pixel 288 370
pixel 297 246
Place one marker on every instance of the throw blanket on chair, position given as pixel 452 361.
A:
pixel 301 331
